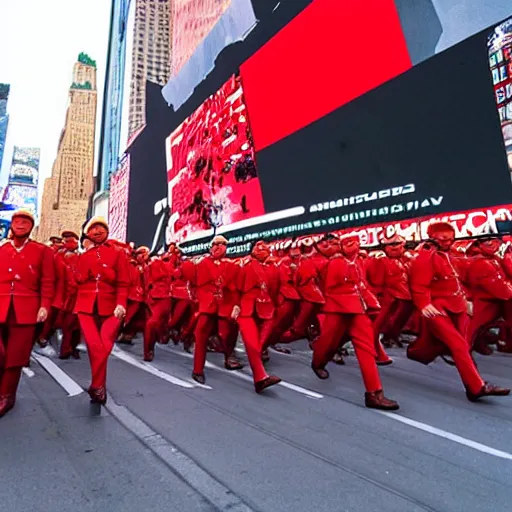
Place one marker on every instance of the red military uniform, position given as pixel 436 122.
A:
pixel 438 294
pixel 27 277
pixel 491 290
pixel 136 312
pixel 102 276
pixel 68 319
pixel 258 286
pixel 159 303
pixel 288 300
pixel 388 276
pixel 182 294
pixel 347 307
pixel 215 287
pixel 52 322
pixel 307 283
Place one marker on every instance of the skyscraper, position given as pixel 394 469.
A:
pixel 151 55
pixel 67 192
pixel 4 118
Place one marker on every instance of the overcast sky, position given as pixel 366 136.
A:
pixel 39 42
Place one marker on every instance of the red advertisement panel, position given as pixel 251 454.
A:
pixel 212 174
pixel 341 50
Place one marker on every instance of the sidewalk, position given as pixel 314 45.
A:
pixel 56 457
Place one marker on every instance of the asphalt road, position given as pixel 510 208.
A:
pixel 166 443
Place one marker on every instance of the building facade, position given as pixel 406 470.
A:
pixel 150 57
pixel 4 118
pixel 67 192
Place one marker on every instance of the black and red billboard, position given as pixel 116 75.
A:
pixel 323 118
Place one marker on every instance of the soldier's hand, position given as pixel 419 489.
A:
pixel 235 313
pixel 120 312
pixel 430 311
pixel 42 315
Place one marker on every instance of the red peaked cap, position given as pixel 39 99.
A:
pixel 439 227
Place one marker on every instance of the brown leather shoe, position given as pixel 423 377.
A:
pixel 487 390
pixel 271 380
pixel 149 356
pixel 199 378
pixel 232 363
pixel 377 400
pixel 6 404
pixel 321 373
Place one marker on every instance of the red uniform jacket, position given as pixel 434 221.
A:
pixel 136 288
pixel 103 277
pixel 71 261
pixel 346 290
pixel 320 261
pixel 307 281
pixel 287 272
pixel 159 279
pixel 389 277
pixel 27 278
pixel 434 280
pixel 59 298
pixel 258 285
pixel 182 278
pixel 488 280
pixel 215 286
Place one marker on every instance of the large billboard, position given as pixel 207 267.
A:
pixel 25 166
pixel 347 116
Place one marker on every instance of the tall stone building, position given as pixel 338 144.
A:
pixel 66 193
pixel 150 55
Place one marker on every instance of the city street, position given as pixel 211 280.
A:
pixel 166 443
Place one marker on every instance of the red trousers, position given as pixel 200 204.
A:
pixel 283 320
pixel 9 380
pixel 390 321
pixel 16 342
pixel 204 328
pixel 180 313
pixel 70 333
pixel 135 319
pixel 100 334
pixel 360 329
pixel 49 325
pixel 485 313
pixel 305 317
pixel 255 332
pixel 160 310
pixel 444 335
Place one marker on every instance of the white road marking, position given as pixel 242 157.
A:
pixel 211 489
pixel 149 368
pixel 62 378
pixel 247 378
pixel 28 372
pixel 447 435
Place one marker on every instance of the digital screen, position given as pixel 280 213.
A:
pixel 500 62
pixel 21 196
pixel 356 116
pixel 212 174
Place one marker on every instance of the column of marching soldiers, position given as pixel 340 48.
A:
pixel 455 298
